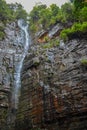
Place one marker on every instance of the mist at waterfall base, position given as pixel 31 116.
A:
pixel 17 76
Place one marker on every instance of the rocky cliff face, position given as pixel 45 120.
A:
pixel 10 50
pixel 54 88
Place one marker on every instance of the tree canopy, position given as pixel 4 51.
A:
pixel 9 13
pixel 74 12
pixel 12 11
pixel 43 17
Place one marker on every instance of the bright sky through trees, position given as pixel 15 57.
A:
pixel 28 4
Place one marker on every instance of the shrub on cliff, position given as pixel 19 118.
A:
pixel 83 14
pixel 5 12
pixel 52 43
pixel 75 29
pixel 2 34
pixel 84 61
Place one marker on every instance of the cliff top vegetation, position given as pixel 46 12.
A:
pixel 10 13
pixel 41 17
pixel 73 15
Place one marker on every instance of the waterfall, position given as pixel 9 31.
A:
pixel 17 75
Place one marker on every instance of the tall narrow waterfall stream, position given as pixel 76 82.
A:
pixel 24 28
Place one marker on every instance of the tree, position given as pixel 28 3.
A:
pixel 35 13
pixel 78 4
pixel 67 10
pixel 42 16
pixel 5 12
pixel 21 13
pixel 45 16
pixel 54 9
pixel 83 14
pixel 78 9
pixel 18 11
pixel 35 17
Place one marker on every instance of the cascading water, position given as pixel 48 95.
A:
pixel 17 75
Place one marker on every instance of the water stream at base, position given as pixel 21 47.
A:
pixel 17 76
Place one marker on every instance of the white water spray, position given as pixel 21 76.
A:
pixel 17 76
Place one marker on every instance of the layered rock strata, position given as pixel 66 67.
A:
pixel 54 88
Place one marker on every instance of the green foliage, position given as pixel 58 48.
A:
pixel 4 11
pixel 33 28
pixel 74 12
pixel 80 11
pixel 46 39
pixel 17 11
pixel 83 14
pixel 20 13
pixel 64 34
pixel 45 17
pixel 1 27
pixel 54 9
pixel 11 12
pixel 78 4
pixel 76 28
pixel 2 34
pixel 42 16
pixel 84 27
pixel 84 61
pixel 67 12
pixel 34 16
pixel 51 43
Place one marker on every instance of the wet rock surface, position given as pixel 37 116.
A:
pixel 11 48
pixel 54 88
